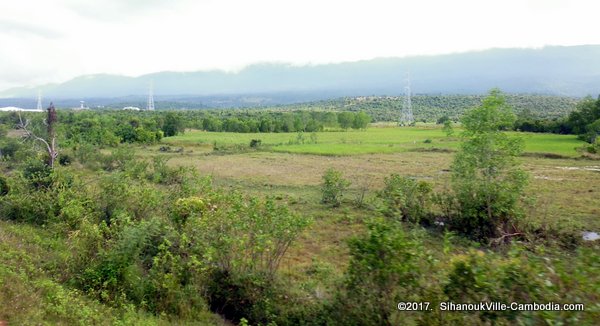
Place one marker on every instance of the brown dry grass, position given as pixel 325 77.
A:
pixel 564 197
pixel 565 190
pixel 306 170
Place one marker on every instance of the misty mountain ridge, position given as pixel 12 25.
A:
pixel 555 70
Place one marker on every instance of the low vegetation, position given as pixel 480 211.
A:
pixel 245 228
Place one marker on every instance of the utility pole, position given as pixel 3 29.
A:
pixel 406 116
pixel 39 101
pixel 150 106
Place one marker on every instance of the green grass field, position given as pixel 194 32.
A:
pixel 371 141
pixel 564 186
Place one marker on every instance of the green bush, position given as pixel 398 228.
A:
pixel 37 207
pixel 161 173
pixel 238 296
pixel 242 241
pixel 255 143
pixel 30 203
pixel 88 155
pixel 333 187
pixel 486 178
pixel 383 271
pixel 38 174
pixel 118 159
pixel 523 276
pixel 406 199
pixel 190 207
pixel 65 159
pixel 9 148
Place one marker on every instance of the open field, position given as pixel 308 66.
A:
pixel 565 190
pixel 370 141
pixel 562 202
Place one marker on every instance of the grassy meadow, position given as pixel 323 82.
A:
pixel 562 191
pixel 562 197
pixel 562 188
pixel 370 141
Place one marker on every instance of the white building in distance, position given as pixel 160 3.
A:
pixel 15 109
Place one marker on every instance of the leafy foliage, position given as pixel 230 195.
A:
pixel 447 129
pixel 333 187
pixel 383 270
pixel 406 199
pixel 115 239
pixel 486 177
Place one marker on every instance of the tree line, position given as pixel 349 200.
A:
pixel 583 121
pixel 110 128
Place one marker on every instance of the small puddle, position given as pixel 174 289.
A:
pixel 590 236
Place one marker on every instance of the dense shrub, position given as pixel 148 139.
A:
pixel 38 174
pixel 9 148
pixel 216 247
pixel 64 159
pixel 36 207
pixel 189 207
pixel 34 196
pixel 236 296
pixel 163 174
pixel 242 241
pixel 254 143
pixel 383 271
pixel 333 187
pixel 405 198
pixel 524 277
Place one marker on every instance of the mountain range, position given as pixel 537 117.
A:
pixel 555 70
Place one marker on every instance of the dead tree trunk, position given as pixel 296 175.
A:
pixel 50 143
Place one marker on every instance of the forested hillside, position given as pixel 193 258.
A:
pixel 429 108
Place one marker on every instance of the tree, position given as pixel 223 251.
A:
pixel 345 119
pixel 173 125
pixel 587 111
pixel 486 177
pixel 448 128
pixel 443 119
pixel 361 120
pixel 592 131
pixel 50 142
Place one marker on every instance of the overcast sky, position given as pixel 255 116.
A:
pixel 55 40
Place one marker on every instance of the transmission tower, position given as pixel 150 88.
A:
pixel 150 106
pixel 406 116
pixel 39 101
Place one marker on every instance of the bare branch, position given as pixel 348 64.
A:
pixel 50 144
